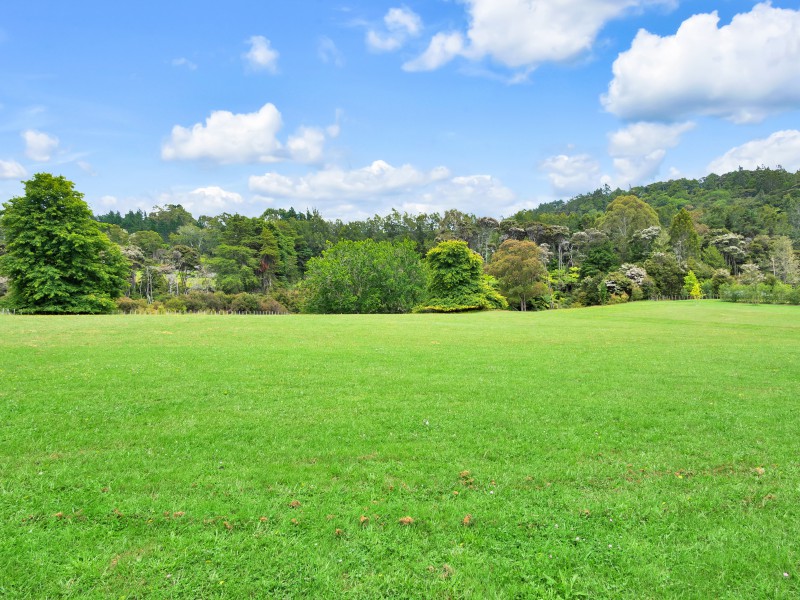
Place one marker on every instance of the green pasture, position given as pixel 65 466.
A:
pixel 646 450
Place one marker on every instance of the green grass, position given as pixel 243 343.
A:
pixel 647 450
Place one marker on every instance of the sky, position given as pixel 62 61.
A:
pixel 357 107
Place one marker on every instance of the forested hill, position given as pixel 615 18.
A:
pixel 751 203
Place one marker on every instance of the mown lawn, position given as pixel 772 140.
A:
pixel 649 450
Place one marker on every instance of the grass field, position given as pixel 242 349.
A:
pixel 647 450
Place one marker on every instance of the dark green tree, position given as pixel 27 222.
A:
pixel 57 259
pixel 457 282
pixel 235 268
pixel 683 237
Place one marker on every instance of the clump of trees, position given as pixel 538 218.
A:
pixel 736 233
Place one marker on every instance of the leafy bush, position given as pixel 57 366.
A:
pixel 175 304
pixel 365 277
pixel 245 303
pixel 457 282
pixel 129 305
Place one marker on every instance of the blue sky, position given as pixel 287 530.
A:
pixel 354 108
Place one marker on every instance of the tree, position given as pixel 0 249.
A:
pixel 683 237
pixel 518 267
pixel 625 216
pixel 666 273
pixel 235 268
pixel 692 286
pixel 149 242
pixel 365 277
pixel 457 282
pixel 57 259
pixel 783 260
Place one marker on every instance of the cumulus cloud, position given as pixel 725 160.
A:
pixel 442 49
pixel 11 169
pixel 379 178
pixel 261 56
pixel 572 174
pixel 781 148
pixel 228 138
pixel 638 150
pixel 743 71
pixel 377 188
pixel 524 34
pixel 211 200
pixel 400 24
pixel 307 144
pixel 39 146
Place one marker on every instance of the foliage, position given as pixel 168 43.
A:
pixel 235 269
pixel 691 286
pixel 57 259
pixel 625 216
pixel 683 237
pixel 365 277
pixel 520 274
pixel 666 273
pixel 457 282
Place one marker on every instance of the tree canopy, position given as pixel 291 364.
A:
pixel 457 282
pixel 365 277
pixel 57 259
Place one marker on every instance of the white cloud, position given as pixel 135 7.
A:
pixel 743 71
pixel 11 169
pixel 211 200
pixel 261 56
pixel 524 34
pixel 442 49
pixel 781 148
pixel 329 53
pixel 638 150
pixel 377 188
pixel 39 146
pixel 108 201
pixel 401 24
pixel 572 175
pixel 307 144
pixel 228 138
pixel 183 62
pixel 379 178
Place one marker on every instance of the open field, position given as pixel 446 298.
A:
pixel 647 450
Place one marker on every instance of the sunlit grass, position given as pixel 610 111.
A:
pixel 640 451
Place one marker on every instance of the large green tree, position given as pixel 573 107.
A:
pixel 683 237
pixel 457 281
pixel 365 277
pixel 625 216
pixel 57 259
pixel 518 267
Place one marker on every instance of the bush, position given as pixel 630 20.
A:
pixel 292 299
pixel 129 305
pixel 175 304
pixel 272 306
pixel 245 302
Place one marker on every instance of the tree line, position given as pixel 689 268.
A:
pixel 730 236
